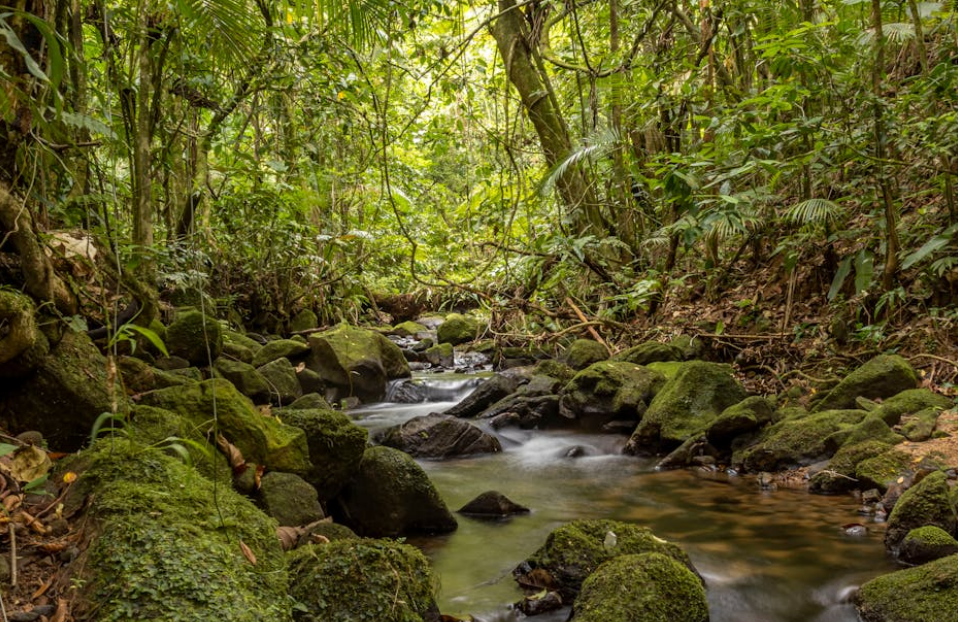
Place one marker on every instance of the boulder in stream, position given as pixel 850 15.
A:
pixel 355 362
pixel 927 593
pixel 650 587
pixel 492 504
pixel 798 439
pixel 390 496
pixel 881 377
pixel 457 329
pixel 609 391
pixel 439 436
pixel 926 503
pixel 927 544
pixel 485 395
pixel 362 580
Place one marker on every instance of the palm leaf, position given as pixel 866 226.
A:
pixel 361 21
pixel 595 146
pixel 813 212
pixel 228 23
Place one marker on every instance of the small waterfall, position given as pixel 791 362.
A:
pixel 448 388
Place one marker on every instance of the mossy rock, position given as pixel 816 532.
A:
pixel 457 329
pixel 390 495
pixel 575 550
pixel 609 391
pixel 798 441
pixel 166 544
pixel 280 376
pixel 409 329
pixel 336 446
pixel 441 354
pixel 871 428
pixel 584 352
pixel 882 470
pixel 138 376
pixel 554 369
pixel 63 397
pixel 884 376
pixel 355 362
pixel 928 593
pixel 263 440
pixel 926 503
pixel 362 580
pixel 289 499
pixel 303 321
pixel 196 337
pixel 920 426
pixel 163 429
pixel 310 400
pixel 746 417
pixel 230 336
pixel 22 344
pixel 687 404
pixel 650 587
pixel 650 352
pixel 280 348
pixel 927 544
pixel 910 402
pixel 669 369
pixel 841 474
pixel 245 378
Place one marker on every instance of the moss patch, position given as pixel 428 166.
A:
pixel 584 352
pixel 926 544
pixel 841 474
pixel 356 362
pixel 798 440
pixel 881 470
pixel 457 329
pixel 280 348
pixel 927 593
pixel 609 390
pixel 189 335
pixel 167 544
pixel 650 352
pixel 910 402
pixel 650 587
pixel 361 580
pixel 926 503
pixel 884 376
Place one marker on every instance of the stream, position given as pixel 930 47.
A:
pixel 767 556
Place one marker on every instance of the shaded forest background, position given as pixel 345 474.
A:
pixel 777 177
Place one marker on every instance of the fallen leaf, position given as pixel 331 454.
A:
pixel 62 613
pixel 247 552
pixel 300 367
pixel 28 463
pixel 258 477
pixel 42 589
pixel 288 536
pixel 233 455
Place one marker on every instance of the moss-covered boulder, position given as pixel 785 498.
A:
pixel 926 503
pixel 263 440
pixel 927 544
pixel 920 426
pixel 457 329
pixel 390 495
pixel 650 587
pixel 196 337
pixel 746 417
pixel 910 402
pixel 280 376
pixel 231 336
pixel 441 355
pixel 362 580
pixel 245 378
pixel 138 376
pixel 280 348
pixel 575 550
pixel 928 593
pixel 439 436
pixel 168 546
pixel 798 440
pixel 650 352
pixel 336 446
pixel 609 391
pixel 871 428
pixel 884 376
pixel 409 329
pixel 289 499
pixel 310 400
pixel 164 429
pixel 584 352
pixel 882 470
pixel 64 395
pixel 841 474
pixel 303 321
pixel 355 362
pixel 687 404
pixel 22 344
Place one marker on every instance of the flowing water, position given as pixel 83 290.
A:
pixel 767 556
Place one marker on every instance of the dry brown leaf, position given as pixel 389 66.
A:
pixel 300 367
pixel 247 552
pixel 42 589
pixel 233 455
pixel 62 613
pixel 288 536
pixel 266 410
pixel 258 476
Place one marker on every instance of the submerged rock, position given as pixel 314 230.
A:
pixel 492 504
pixel 926 503
pixel 439 436
pixel 574 551
pixel 362 580
pixel 687 404
pixel 927 593
pixel 650 587
pixel 609 391
pixel 883 376
pixel 356 362
pixel 390 496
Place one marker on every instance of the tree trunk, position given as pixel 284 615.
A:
pixel 534 90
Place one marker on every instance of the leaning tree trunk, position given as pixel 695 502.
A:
pixel 513 41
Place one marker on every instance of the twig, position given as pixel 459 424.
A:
pixel 13 555
pixel 3 609
pixel 590 327
pixel 935 357
pixel 770 337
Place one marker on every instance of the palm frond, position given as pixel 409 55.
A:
pixel 597 145
pixel 228 23
pixel 813 212
pixel 360 21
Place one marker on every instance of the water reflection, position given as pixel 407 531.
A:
pixel 779 556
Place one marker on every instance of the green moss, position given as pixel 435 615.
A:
pixel 926 503
pixel 650 352
pixel 931 535
pixel 881 377
pixel 574 551
pixel 280 348
pixel 650 587
pixel 881 470
pixel 669 369
pixel 162 429
pixel 747 416
pixel 356 361
pixel 263 440
pixel 584 352
pixel 910 402
pixel 245 378
pixel 361 580
pixel 440 354
pixel 921 425
pixel 928 593
pixel 240 339
pixel 457 329
pixel 797 440
pixel 167 545
pixel 554 369
pixel 196 337
pixel 686 405
pixel 409 329
pixel 871 428
pixel 304 320
pixel 609 390
pixel 283 383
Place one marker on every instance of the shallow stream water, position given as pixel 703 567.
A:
pixel 767 556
